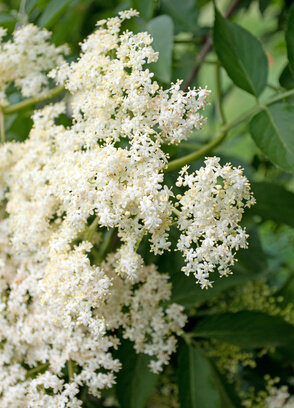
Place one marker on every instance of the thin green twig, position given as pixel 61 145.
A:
pixel 189 158
pixel 176 212
pixel 70 370
pixel 91 229
pixel 190 146
pixel 106 244
pixel 37 369
pixel 2 126
pixel 32 101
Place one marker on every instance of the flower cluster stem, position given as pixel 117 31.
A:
pixel 107 242
pixel 2 126
pixel 32 101
pixel 70 370
pixel 37 369
pixel 189 158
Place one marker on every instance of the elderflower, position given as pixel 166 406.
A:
pixel 64 303
pixel 26 59
pixel 211 210
pixel 279 398
pixel 270 397
pixel 114 96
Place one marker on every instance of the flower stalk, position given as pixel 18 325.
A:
pixel 189 158
pixel 32 101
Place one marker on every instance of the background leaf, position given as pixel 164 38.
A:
pixel 251 264
pixel 29 5
pixel 196 381
pixel 145 7
pixel 241 55
pixel 7 21
pixel 246 329
pixel 183 13
pixel 272 130
pixel 199 385
pixel 187 293
pixel 286 78
pixel 161 29
pixel 52 12
pixel 135 382
pixel 290 38
pixel 273 202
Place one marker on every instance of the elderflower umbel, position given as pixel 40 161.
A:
pixel 279 398
pixel 210 212
pixel 62 301
pixel 26 59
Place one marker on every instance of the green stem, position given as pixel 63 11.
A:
pixel 219 93
pixel 278 98
pixel 190 146
pixel 138 244
pixel 29 102
pixel 188 337
pixel 37 369
pixel 91 229
pixel 176 212
pixel 70 370
pixel 106 244
pixel 189 158
pixel 273 87
pixel 210 61
pixel 2 126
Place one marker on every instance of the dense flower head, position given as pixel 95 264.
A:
pixel 26 59
pixel 68 190
pixel 211 211
pixel 279 398
pixel 115 97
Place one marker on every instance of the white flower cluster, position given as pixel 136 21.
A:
pixel 115 97
pixel 67 189
pixel 211 210
pixel 37 343
pixel 32 340
pixel 279 398
pixel 26 59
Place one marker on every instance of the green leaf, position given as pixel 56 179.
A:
pixel 29 5
pixel 8 21
pixel 241 55
pixel 135 382
pixel 246 329
pixel 263 4
pixel 187 293
pixel 161 29
pixel 286 79
pixel 196 382
pixel 184 14
pixel 199 385
pixel 253 258
pixel 290 38
pixel 145 8
pixel 52 12
pixel 286 353
pixel 272 130
pixel 273 202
